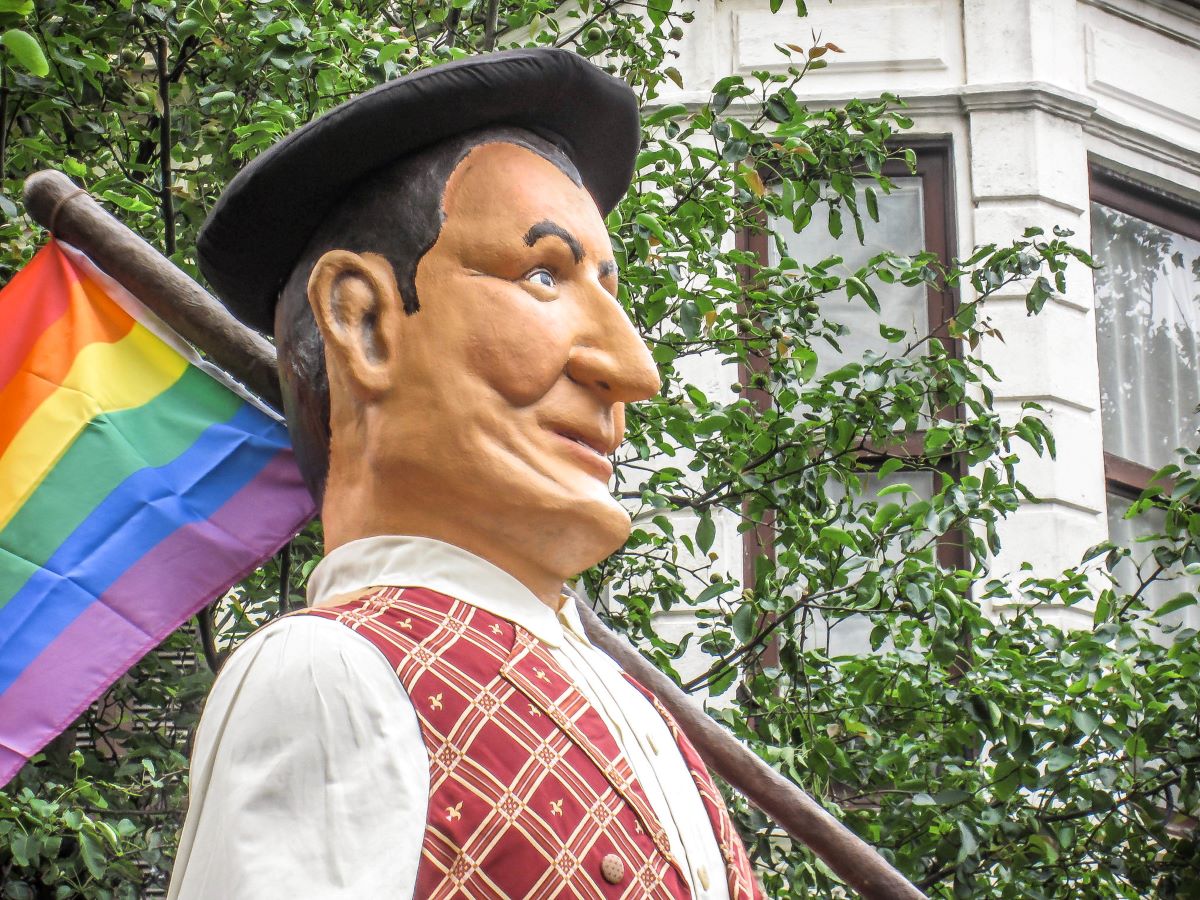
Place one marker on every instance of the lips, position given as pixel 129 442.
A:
pixel 595 444
pixel 591 450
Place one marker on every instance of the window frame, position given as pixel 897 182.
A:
pixel 935 168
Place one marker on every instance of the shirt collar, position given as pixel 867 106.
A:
pixel 407 561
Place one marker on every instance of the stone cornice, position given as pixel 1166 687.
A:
pixel 1027 95
pixel 1011 96
pixel 1137 139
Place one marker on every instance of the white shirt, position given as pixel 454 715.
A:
pixel 309 775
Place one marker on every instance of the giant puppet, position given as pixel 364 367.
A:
pixel 433 261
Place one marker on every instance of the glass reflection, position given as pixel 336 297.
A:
pixel 1132 533
pixel 900 229
pixel 1146 325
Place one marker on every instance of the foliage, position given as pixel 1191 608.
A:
pixel 985 749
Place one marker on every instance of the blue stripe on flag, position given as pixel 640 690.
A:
pixel 143 510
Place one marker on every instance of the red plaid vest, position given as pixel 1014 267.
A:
pixel 528 792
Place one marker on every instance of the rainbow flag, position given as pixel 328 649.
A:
pixel 137 484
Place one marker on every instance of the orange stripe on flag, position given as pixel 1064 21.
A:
pixel 89 316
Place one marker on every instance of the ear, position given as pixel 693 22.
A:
pixel 355 301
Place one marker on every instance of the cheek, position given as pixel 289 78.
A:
pixel 518 345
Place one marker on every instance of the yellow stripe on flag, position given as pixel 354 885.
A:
pixel 104 378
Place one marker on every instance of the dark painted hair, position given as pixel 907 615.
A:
pixel 396 212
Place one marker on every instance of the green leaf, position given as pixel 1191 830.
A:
pixel 19 7
pixel 132 204
pixel 1047 847
pixel 728 83
pixel 936 439
pixel 872 204
pixel 673 111
pixel 1085 721
pixel 652 225
pixel 951 797
pixel 706 532
pixel 835 222
pixel 1176 603
pixel 26 51
pixel 712 591
pixel 721 684
pixel 889 466
pixel 969 845
pixel 745 622
pixel 856 287
pixel 735 150
pixel 18 846
pixel 776 109
pixel 1006 777
pixel 832 536
pixel 1059 759
pixel 93 854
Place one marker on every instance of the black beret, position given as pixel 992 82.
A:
pixel 264 219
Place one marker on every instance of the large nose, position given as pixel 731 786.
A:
pixel 608 356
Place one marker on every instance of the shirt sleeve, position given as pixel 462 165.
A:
pixel 309 775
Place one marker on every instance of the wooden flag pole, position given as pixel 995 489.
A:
pixel 70 213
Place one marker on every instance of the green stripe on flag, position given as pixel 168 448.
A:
pixel 111 448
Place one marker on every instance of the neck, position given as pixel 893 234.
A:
pixel 353 511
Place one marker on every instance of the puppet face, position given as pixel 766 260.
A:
pixel 505 392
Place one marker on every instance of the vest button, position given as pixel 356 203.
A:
pixel 612 869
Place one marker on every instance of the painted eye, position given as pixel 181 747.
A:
pixel 542 277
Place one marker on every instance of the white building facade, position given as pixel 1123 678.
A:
pixel 1083 114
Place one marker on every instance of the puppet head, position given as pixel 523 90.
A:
pixel 454 360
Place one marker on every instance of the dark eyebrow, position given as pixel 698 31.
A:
pixel 546 228
pixel 607 268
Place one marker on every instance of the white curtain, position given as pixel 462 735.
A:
pixel 1147 316
pixel 1129 533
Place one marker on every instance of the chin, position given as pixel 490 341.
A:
pixel 568 513
pixel 616 525
pixel 585 530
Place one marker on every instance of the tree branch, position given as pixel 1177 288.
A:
pixel 164 147
pixel 489 25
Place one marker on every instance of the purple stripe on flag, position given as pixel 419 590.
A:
pixel 10 761
pixel 131 617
